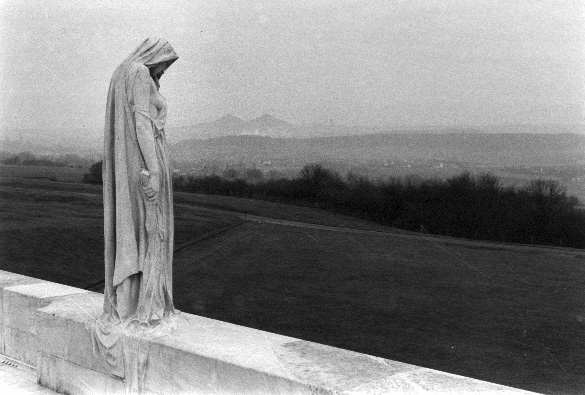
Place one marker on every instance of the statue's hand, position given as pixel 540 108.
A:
pixel 151 185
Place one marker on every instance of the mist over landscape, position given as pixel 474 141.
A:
pixel 399 178
pixel 517 153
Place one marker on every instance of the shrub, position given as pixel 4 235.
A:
pixel 95 174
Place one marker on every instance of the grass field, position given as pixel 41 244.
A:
pixel 512 315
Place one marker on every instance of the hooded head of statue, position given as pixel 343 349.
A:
pixel 156 54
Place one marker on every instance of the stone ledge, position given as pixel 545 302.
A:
pixel 203 355
pixel 8 279
pixel 68 378
pixel 21 296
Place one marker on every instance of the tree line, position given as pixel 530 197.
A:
pixel 29 159
pixel 470 206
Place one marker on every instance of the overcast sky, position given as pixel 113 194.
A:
pixel 386 62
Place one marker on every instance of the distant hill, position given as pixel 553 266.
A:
pixel 230 125
pixel 479 148
pixel 269 126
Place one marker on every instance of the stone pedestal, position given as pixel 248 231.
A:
pixel 49 325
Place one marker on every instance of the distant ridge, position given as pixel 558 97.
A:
pixel 89 141
pixel 270 126
pixel 478 148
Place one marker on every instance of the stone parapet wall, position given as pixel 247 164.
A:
pixel 48 325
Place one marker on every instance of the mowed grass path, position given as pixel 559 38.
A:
pixel 515 316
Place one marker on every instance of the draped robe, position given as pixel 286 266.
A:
pixel 125 209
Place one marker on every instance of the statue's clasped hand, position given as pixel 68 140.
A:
pixel 150 182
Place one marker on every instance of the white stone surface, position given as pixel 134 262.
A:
pixel 45 289
pixel 19 305
pixel 18 379
pixel 8 279
pixel 76 347
pixel 21 345
pixel 69 378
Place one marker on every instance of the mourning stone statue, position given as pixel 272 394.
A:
pixel 138 201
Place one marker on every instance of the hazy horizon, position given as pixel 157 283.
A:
pixel 387 64
pixel 541 128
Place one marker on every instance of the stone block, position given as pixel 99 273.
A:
pixel 20 302
pixel 8 279
pixel 19 305
pixel 175 371
pixel 72 315
pixel 68 378
pixel 21 345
